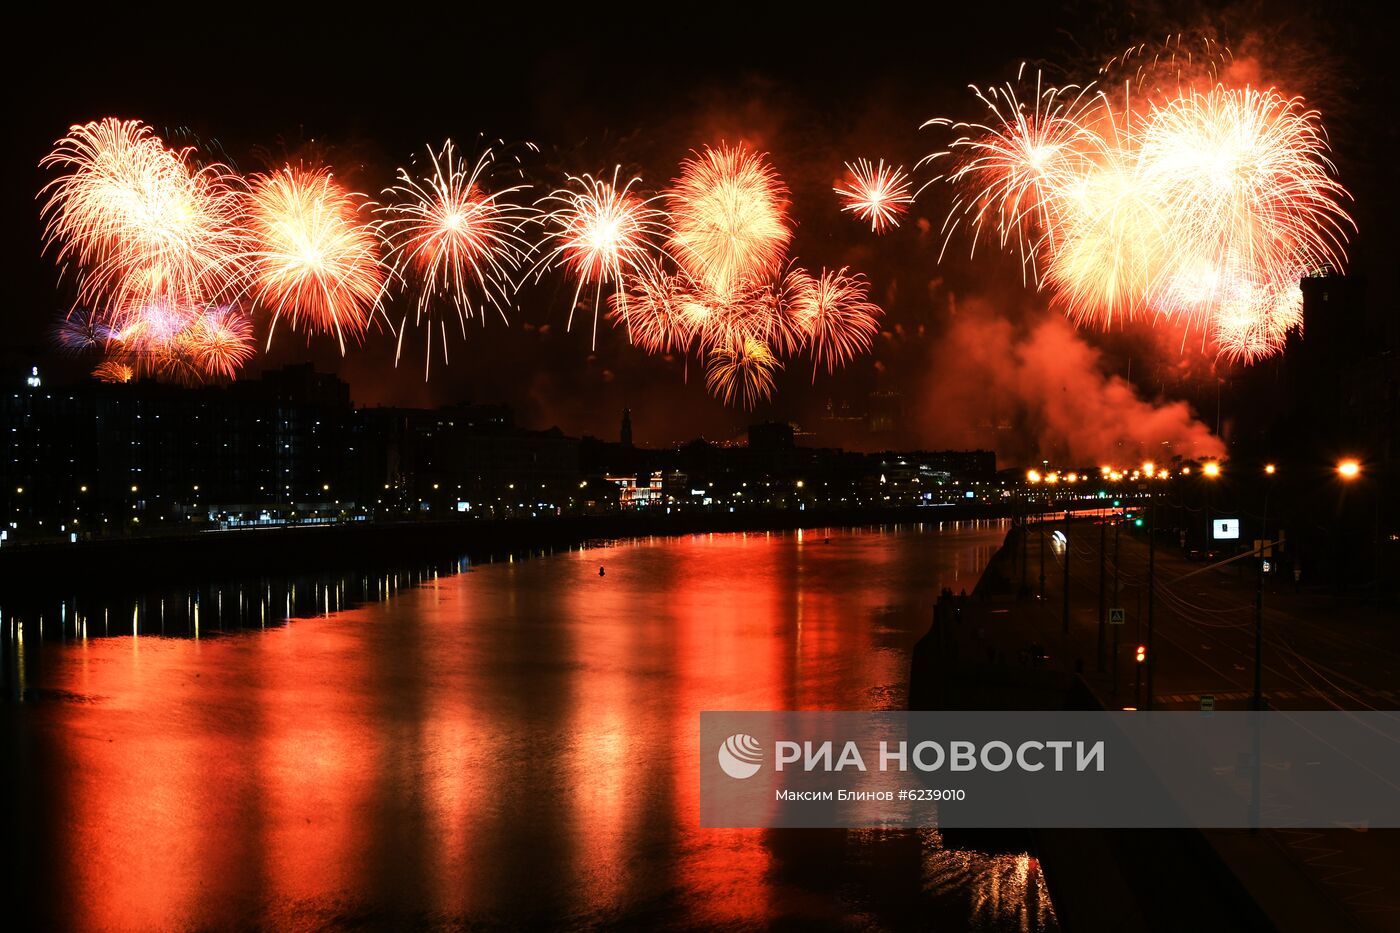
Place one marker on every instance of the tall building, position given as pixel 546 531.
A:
pixel 626 427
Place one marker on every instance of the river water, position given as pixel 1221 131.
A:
pixel 513 745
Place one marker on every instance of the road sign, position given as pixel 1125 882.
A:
pixel 1117 616
pixel 1207 703
pixel 1226 529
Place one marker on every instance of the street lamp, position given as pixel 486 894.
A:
pixel 1151 594
pixel 1258 702
pixel 1210 470
pixel 1348 469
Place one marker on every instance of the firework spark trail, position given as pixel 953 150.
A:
pixel 1013 171
pixel 452 239
pixel 316 259
pixel 876 193
pixel 139 221
pixel 1200 206
pixel 600 233
pixel 221 342
pixel 833 313
pixel 113 371
pixel 729 218
pixel 741 373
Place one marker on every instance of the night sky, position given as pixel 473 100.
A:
pixel 641 87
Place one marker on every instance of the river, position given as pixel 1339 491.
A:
pixel 512 745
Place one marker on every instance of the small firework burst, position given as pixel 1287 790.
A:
pixel 877 193
pixel 741 373
pixel 835 316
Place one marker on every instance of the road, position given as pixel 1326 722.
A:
pixel 1321 651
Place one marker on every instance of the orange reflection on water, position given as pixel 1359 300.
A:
pixel 509 746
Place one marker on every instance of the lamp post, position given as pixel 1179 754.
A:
pixel 1151 586
pixel 1025 530
pixel 1033 478
pixel 1117 524
pixel 1258 701
pixel 1040 527
pixel 1103 579
pixel 1066 586
pixel 1348 470
pixel 1210 470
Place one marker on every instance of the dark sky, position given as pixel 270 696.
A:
pixel 642 86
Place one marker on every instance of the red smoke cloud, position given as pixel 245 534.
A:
pixel 1038 391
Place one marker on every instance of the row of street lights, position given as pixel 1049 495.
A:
pixel 1347 469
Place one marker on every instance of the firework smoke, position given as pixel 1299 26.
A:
pixel 1038 392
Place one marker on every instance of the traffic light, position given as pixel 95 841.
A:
pixel 1141 653
pixel 1117 502
pixel 1138 523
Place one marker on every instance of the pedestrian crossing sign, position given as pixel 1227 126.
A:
pixel 1117 616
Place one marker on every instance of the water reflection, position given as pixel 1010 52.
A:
pixel 515 745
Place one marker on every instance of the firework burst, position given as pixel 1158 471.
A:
pixel 453 240
pixel 729 218
pixel 876 193
pixel 1012 171
pixel 1243 184
pixel 1198 205
pixel 832 312
pixel 721 285
pixel 741 373
pixel 81 330
pixel 113 371
pixel 600 233
pixel 316 259
pixel 139 221
pixel 187 344
pixel 221 342
pixel 658 311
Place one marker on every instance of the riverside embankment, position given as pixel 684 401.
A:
pixel 311 548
